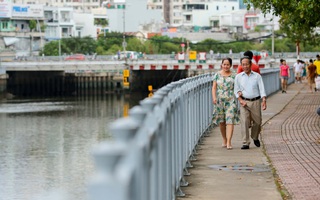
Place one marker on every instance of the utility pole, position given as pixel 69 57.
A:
pixel 124 44
pixel 272 38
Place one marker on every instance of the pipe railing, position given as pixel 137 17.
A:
pixel 153 147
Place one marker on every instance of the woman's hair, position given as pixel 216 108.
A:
pixel 229 59
pixel 311 60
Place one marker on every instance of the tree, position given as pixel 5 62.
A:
pixel 110 39
pixel 134 44
pixel 298 18
pixel 32 24
pixel 158 42
pixel 51 49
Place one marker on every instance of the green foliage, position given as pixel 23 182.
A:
pixel 43 27
pixel 112 38
pixel 100 50
pixel 134 44
pixel 85 45
pixel 112 42
pixel 158 42
pixel 32 24
pixel 151 48
pixel 168 47
pixel 100 21
pixel 51 49
pixel 298 18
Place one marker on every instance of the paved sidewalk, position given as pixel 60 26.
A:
pixel 291 129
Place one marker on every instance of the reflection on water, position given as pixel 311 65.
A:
pixel 45 144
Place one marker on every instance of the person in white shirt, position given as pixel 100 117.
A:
pixel 298 70
pixel 250 91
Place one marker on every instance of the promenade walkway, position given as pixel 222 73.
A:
pixel 289 158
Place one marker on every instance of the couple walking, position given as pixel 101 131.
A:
pixel 248 88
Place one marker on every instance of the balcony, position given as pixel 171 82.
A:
pixel 22 34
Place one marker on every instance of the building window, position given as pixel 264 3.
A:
pixel 232 7
pixel 217 8
pixel 5 25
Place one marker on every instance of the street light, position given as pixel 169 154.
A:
pixel 272 48
pixel 124 44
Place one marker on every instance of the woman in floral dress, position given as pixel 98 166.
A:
pixel 224 101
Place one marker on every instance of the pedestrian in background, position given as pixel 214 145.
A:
pixel 304 69
pixel 284 75
pixel 317 64
pixel 224 102
pixel 297 67
pixel 249 89
pixel 211 54
pixel 254 67
pixel 118 54
pixel 312 74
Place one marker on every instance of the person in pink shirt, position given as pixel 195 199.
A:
pixel 284 75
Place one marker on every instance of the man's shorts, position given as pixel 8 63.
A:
pixel 297 74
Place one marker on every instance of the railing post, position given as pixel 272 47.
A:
pixel 104 183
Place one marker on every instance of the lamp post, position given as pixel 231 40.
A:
pixel 272 37
pixel 124 44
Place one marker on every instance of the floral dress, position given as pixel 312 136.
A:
pixel 226 109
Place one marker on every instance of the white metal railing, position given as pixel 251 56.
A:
pixel 150 154
pixel 153 147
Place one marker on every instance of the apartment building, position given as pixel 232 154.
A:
pixel 21 26
pixel 84 6
pixel 130 15
pixel 25 28
pixel 193 12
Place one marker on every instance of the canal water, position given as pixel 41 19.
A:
pixel 45 143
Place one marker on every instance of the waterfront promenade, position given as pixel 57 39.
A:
pixel 289 158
